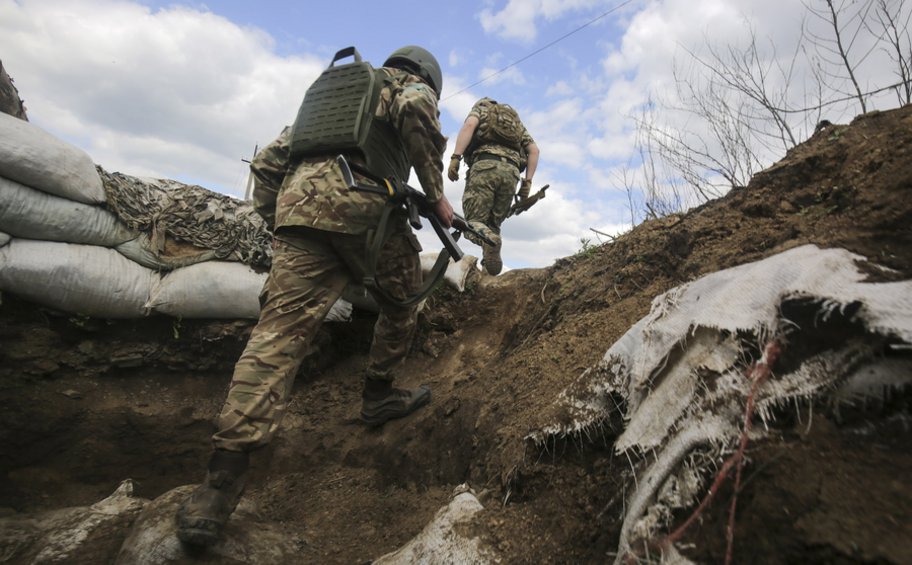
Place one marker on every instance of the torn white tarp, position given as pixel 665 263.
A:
pixel 679 376
pixel 741 299
pixel 33 157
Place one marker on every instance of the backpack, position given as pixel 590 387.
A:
pixel 336 116
pixel 501 125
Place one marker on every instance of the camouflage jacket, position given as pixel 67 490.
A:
pixel 479 110
pixel 311 193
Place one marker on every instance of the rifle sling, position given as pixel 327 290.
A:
pixel 375 244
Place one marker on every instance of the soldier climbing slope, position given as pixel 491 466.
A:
pixel 496 147
pixel 321 229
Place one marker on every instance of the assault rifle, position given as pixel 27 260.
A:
pixel 415 203
pixel 521 206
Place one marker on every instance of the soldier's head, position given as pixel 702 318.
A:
pixel 419 61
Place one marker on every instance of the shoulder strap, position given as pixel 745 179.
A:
pixel 375 244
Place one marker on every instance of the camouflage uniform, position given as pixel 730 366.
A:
pixel 491 179
pixel 321 230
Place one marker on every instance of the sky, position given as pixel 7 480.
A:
pixel 188 90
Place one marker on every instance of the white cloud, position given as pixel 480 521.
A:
pixel 517 19
pixel 153 93
pixel 454 58
pixel 560 88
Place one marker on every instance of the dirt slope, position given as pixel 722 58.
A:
pixel 89 403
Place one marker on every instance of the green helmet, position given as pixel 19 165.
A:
pixel 420 61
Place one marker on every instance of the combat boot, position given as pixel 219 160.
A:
pixel 201 518
pixel 381 402
pixel 491 260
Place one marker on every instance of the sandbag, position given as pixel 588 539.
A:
pixel 4 239
pixel 86 279
pixel 35 158
pixel 33 214
pixel 457 271
pixel 218 289
pixel 214 289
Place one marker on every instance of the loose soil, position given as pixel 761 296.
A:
pixel 88 402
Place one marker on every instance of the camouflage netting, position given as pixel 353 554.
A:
pixel 10 103
pixel 168 210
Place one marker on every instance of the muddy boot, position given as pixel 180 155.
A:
pixel 203 515
pixel 491 258
pixel 381 402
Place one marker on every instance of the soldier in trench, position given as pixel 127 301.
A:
pixel 321 229
pixel 497 148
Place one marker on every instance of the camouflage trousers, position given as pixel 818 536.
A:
pixel 489 189
pixel 310 270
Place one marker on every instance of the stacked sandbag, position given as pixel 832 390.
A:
pixel 83 240
pixel 190 253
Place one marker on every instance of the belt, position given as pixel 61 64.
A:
pixel 493 157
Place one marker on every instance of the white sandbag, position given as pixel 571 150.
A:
pixel 214 289
pixel 33 214
pixel 219 289
pixel 35 158
pixel 85 279
pixel 4 239
pixel 457 271
pixel 141 250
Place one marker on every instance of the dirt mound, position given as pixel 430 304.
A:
pixel 90 403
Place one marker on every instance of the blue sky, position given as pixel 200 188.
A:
pixel 186 90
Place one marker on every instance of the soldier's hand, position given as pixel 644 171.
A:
pixel 524 188
pixel 444 211
pixel 453 171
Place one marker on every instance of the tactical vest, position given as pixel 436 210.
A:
pixel 337 116
pixel 501 125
